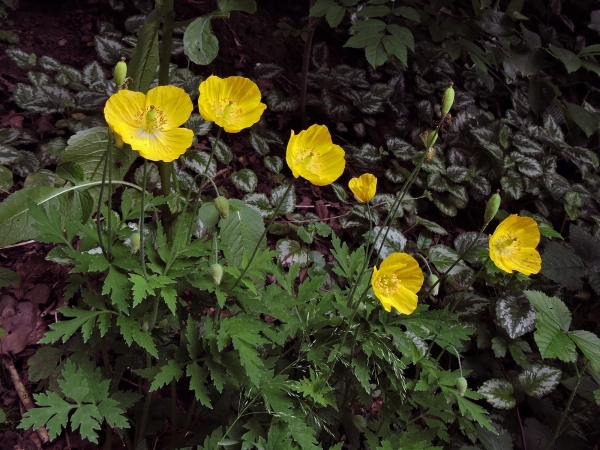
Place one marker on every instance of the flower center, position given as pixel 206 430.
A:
pixel 507 244
pixel 388 284
pixel 311 159
pixel 227 110
pixel 151 119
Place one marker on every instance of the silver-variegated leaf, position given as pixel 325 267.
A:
pixel 222 150
pixel 394 241
pixel 515 315
pixel 245 180
pixel 339 192
pixel 290 252
pixel 267 70
pixel 274 163
pixel 538 381
pixel 198 125
pixel 93 74
pixel 109 50
pixel 288 203
pixel 499 393
pixel 198 162
pixel 259 143
pixel 259 202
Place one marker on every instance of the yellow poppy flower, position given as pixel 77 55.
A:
pixel 232 103
pixel 363 187
pixel 150 123
pixel 312 155
pixel 397 282
pixel 512 246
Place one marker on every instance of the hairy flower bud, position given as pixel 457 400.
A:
pixel 493 205
pixel 434 282
pixel 222 205
pixel 135 240
pixel 216 270
pixel 448 100
pixel 461 385
pixel 120 72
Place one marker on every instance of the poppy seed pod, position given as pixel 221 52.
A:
pixel 135 242
pixel 434 282
pixel 222 205
pixel 448 100
pixel 120 72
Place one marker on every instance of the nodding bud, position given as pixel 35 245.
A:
pixel 434 281
pixel 120 72
pixel 222 205
pixel 135 242
pixel 461 385
pixel 492 207
pixel 429 137
pixel 216 270
pixel 448 100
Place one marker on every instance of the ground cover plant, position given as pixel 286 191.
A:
pixel 381 233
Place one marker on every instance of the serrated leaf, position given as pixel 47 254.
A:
pixel 553 321
pixel 589 344
pixel 245 180
pixel 562 266
pixel 198 376
pixel 517 317
pixel 169 372
pixel 538 381
pixel 499 393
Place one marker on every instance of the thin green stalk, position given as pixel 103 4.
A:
pixel 99 209
pixel 163 80
pixel 266 230
pixel 142 425
pixel 190 414
pixel 141 225
pixel 217 447
pixel 173 411
pixel 109 200
pixel 558 430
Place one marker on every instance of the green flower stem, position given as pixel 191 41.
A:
pixel 99 210
pixel 559 429
pixel 305 67
pixel 141 430
pixel 141 226
pixel 163 79
pixel 267 228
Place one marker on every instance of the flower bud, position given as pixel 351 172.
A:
pixel 448 100
pixel 429 138
pixel 120 72
pixel 434 282
pixel 135 242
pixel 216 270
pixel 222 205
pixel 492 207
pixel 461 385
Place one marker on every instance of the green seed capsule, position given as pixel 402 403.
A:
pixel 135 242
pixel 433 281
pixel 216 270
pixel 461 385
pixel 448 100
pixel 222 205
pixel 120 72
pixel 493 205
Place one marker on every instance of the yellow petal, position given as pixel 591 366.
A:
pixel 527 261
pixel 501 262
pixel 173 102
pixel 363 187
pixel 210 92
pixel 527 231
pixel 248 119
pixel 124 108
pixel 164 146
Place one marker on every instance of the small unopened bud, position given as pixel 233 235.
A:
pixel 222 205
pixel 120 72
pixel 461 385
pixel 493 205
pixel 429 138
pixel 135 242
pixel 216 270
pixel 434 282
pixel 448 100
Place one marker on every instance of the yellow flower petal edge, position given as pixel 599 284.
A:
pixel 149 123
pixel 363 187
pixel 232 103
pixel 312 155
pixel 512 246
pixel 397 282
